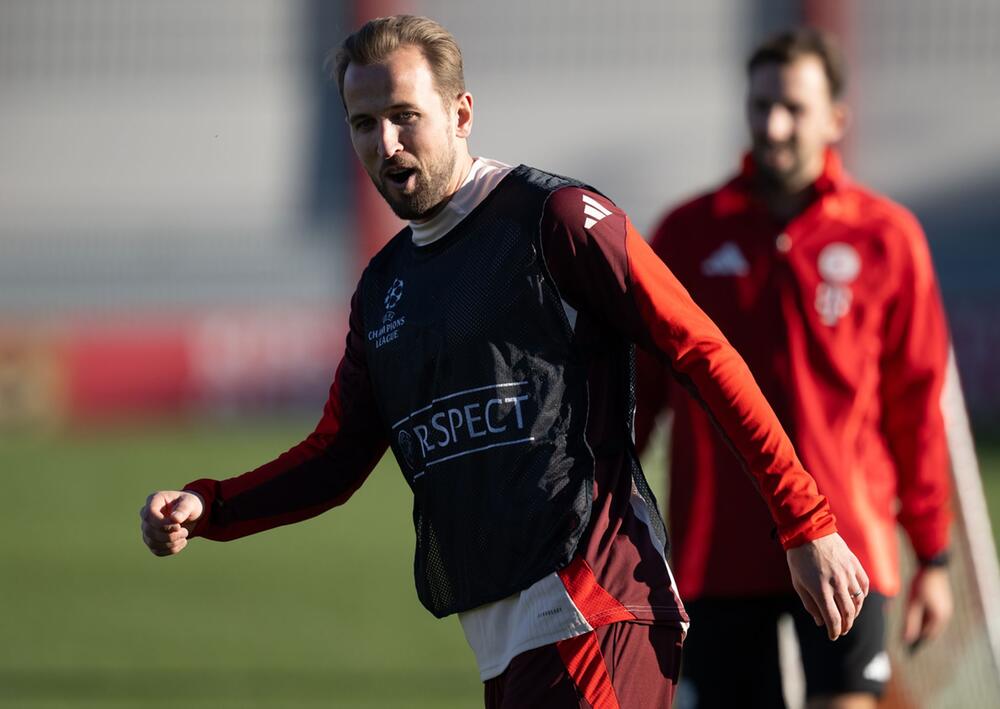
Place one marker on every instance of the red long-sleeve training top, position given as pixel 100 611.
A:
pixel 838 315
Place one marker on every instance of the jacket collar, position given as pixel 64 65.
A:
pixel 737 194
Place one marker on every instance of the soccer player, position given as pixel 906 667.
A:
pixel 490 346
pixel 827 291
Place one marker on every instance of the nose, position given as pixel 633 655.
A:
pixel 778 124
pixel 388 140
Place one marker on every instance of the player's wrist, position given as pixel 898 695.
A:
pixel 202 519
pixel 941 560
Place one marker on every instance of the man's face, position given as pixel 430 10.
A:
pixel 792 120
pixel 405 135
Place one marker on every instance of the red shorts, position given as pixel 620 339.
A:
pixel 619 666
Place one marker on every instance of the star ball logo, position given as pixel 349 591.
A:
pixel 394 294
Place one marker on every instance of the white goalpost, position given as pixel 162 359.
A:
pixel 962 668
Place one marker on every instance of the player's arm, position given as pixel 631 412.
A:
pixel 653 380
pixel 914 365
pixel 321 472
pixel 608 270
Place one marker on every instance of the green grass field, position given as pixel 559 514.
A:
pixel 318 614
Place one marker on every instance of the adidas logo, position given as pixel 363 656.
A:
pixel 594 210
pixel 727 260
pixel 879 669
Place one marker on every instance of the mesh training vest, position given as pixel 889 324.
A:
pixel 483 398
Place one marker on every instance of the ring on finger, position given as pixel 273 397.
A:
pixel 857 593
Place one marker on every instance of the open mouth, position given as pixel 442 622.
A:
pixel 399 176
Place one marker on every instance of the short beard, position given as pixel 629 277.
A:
pixel 778 180
pixel 429 190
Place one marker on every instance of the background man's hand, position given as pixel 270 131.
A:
pixel 167 519
pixel 830 581
pixel 928 607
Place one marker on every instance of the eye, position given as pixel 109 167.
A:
pixel 360 125
pixel 406 116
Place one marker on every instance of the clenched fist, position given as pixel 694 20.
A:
pixel 168 518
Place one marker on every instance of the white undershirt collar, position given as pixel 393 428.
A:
pixel 483 177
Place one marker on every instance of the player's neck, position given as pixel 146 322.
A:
pixel 785 201
pixel 785 206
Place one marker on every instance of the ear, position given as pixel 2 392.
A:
pixel 463 110
pixel 840 121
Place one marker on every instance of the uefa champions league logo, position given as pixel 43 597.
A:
pixel 391 321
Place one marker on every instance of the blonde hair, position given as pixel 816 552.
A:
pixel 379 38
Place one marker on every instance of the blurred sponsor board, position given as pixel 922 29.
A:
pixel 227 360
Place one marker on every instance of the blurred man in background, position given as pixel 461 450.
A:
pixel 490 346
pixel 828 292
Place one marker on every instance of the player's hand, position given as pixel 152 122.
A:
pixel 929 606
pixel 830 581
pixel 167 519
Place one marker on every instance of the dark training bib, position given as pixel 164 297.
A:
pixel 483 397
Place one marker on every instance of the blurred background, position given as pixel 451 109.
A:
pixel 182 224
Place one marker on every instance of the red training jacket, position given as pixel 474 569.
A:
pixel 838 315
